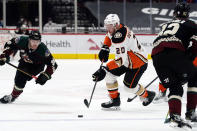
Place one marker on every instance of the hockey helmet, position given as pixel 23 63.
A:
pixel 112 19
pixel 182 10
pixel 35 35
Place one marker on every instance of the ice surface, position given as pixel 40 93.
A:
pixel 56 105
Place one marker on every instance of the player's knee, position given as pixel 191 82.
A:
pixel 171 83
pixel 129 84
pixel 192 90
pixel 131 88
pixel 192 83
pixel 20 84
pixel 110 78
pixel 112 86
pixel 175 87
pixel 18 89
pixel 176 90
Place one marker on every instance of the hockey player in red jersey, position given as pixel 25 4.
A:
pixel 173 64
pixel 34 55
pixel 128 60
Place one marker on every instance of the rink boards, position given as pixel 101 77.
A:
pixel 79 46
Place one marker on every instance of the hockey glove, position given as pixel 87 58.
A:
pixel 3 59
pixel 99 74
pixel 104 53
pixel 195 62
pixel 42 78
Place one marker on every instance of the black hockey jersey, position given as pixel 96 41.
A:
pixel 40 56
pixel 175 34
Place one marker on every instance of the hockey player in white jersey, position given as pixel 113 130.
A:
pixel 128 60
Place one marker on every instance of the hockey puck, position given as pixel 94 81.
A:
pixel 80 116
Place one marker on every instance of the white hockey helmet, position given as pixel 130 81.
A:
pixel 112 19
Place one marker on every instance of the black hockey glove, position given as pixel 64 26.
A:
pixel 99 74
pixel 104 53
pixel 3 59
pixel 42 78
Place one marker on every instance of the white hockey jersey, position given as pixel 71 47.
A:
pixel 128 51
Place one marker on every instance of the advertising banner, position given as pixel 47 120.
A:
pixel 76 45
pixel 67 44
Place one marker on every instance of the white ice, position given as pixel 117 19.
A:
pixel 56 105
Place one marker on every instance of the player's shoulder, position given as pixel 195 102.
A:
pixel 22 41
pixel 191 23
pixel 43 50
pixel 42 47
pixel 22 38
pixel 120 34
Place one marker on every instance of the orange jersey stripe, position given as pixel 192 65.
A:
pixel 107 41
pixel 161 87
pixel 137 60
pixel 112 65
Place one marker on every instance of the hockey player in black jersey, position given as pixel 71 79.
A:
pixel 34 55
pixel 190 115
pixel 173 65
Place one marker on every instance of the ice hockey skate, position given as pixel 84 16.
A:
pixel 191 117
pixel 161 97
pixel 7 99
pixel 113 104
pixel 146 101
pixel 175 121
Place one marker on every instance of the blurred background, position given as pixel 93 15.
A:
pixel 86 16
pixel 74 29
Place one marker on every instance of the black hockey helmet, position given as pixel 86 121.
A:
pixel 35 35
pixel 182 10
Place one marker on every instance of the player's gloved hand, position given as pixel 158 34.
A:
pixel 3 59
pixel 42 78
pixel 195 62
pixel 99 74
pixel 104 53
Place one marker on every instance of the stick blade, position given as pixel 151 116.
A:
pixel 86 103
pixel 131 99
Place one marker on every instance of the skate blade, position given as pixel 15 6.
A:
pixel 115 108
pixel 193 124
pixel 175 126
pixel 158 101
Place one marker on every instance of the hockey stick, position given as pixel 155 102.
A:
pixel 85 100
pixel 131 99
pixel 22 71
